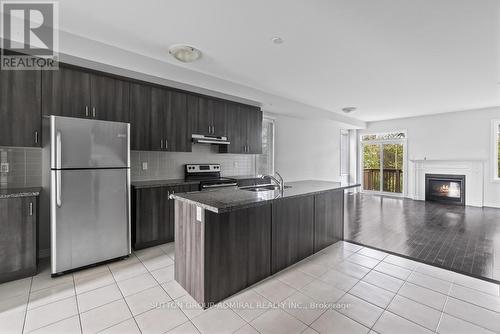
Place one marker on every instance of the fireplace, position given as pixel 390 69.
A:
pixel 445 188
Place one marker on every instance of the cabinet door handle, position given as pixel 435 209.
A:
pixel 36 137
pixel 161 144
pixel 166 143
pixel 86 111
pixel 209 129
pixel 213 129
pixel 31 209
pixel 93 112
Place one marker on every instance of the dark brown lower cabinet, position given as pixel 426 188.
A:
pixel 237 250
pixel 292 231
pixel 223 253
pixel 217 255
pixel 328 219
pixel 153 215
pixel 18 238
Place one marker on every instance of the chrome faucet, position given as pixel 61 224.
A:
pixel 279 182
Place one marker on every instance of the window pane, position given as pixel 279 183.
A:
pixel 384 136
pixel 344 153
pixel 371 167
pixel 264 161
pixel 393 168
pixel 498 151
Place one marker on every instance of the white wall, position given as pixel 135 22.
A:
pixel 84 52
pixel 307 149
pixel 453 136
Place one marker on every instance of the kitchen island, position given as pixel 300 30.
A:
pixel 228 239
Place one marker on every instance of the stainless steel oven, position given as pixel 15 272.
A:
pixel 209 176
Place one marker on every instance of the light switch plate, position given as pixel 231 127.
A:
pixel 198 213
pixel 144 166
pixel 4 167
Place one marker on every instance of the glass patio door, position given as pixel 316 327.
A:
pixel 392 170
pixel 372 167
pixel 383 166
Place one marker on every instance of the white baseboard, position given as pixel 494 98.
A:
pixel 491 205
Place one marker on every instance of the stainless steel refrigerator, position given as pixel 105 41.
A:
pixel 86 191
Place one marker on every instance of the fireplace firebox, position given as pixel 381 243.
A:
pixel 445 188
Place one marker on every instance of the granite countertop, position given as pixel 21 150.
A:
pixel 19 192
pixel 230 199
pixel 161 183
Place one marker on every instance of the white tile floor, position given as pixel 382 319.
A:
pixel 365 291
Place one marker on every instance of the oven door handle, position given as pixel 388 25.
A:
pixel 208 186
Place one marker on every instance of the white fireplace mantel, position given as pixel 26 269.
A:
pixel 473 169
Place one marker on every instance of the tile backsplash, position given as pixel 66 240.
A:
pixel 24 167
pixel 25 164
pixel 170 165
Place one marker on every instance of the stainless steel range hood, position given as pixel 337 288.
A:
pixel 214 140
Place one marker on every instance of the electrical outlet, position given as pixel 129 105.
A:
pixel 4 167
pixel 144 166
pixel 235 164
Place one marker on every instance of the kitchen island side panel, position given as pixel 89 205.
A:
pixel 190 250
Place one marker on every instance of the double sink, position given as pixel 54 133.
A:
pixel 264 187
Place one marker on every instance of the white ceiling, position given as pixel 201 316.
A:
pixel 389 58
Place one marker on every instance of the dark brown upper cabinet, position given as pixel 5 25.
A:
pixel 141 119
pixel 75 93
pixel 66 92
pixel 20 108
pixel 169 110
pixel 244 129
pixel 237 129
pixel 109 98
pixel 254 130
pixel 207 116
pixel 162 119
pixel 177 136
pixel 158 119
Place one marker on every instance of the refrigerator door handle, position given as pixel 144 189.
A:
pixel 58 189
pixel 58 149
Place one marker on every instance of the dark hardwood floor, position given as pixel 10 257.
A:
pixel 463 239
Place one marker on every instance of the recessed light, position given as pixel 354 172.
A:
pixel 185 53
pixel 349 110
pixel 277 40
